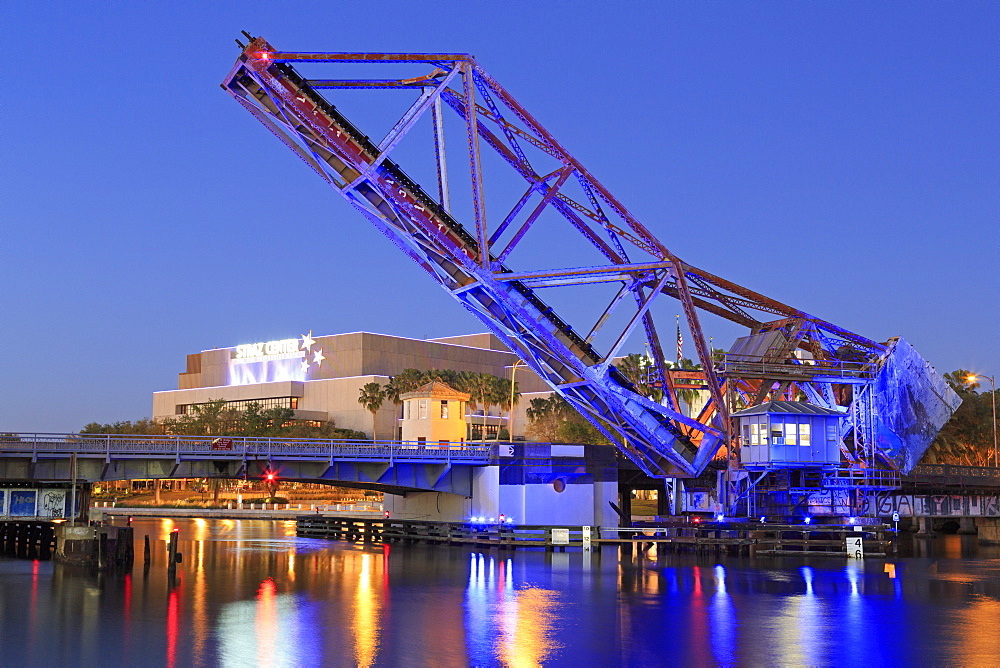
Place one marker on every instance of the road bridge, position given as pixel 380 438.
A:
pixel 391 466
pixel 538 482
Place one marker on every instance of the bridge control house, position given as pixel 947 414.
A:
pixel 789 433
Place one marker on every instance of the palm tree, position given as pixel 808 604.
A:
pixel 372 396
pixel 405 381
pixel 505 392
pixel 481 389
pixel 636 368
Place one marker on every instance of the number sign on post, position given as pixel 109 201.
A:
pixel 855 547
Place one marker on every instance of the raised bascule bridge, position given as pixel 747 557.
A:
pixel 564 275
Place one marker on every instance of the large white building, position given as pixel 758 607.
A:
pixel 320 377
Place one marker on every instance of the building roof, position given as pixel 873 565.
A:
pixel 787 408
pixel 436 390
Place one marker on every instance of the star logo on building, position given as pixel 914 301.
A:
pixel 306 345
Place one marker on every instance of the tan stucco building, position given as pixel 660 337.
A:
pixel 434 414
pixel 320 377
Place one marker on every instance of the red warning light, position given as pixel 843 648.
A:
pixel 264 55
pixel 270 477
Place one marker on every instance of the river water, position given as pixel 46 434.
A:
pixel 250 593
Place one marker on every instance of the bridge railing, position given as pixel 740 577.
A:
pixel 128 445
pixel 968 473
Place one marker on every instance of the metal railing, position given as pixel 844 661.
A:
pixel 236 447
pixel 769 365
pixel 967 473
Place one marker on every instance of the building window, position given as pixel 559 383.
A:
pixel 407 410
pixel 422 409
pixel 790 432
pixel 243 404
pixel 444 410
pixel 777 433
pixel 421 440
pixel 804 434
pixel 754 438
pixel 832 435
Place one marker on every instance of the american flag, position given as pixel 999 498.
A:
pixel 680 342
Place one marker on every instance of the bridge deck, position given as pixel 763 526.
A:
pixel 117 447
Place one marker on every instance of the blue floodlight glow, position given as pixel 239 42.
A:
pixel 510 520
pixel 852 520
pixel 808 520
pixel 720 517
pixel 762 519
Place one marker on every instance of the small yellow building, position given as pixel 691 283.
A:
pixel 434 414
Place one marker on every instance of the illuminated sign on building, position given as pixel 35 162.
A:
pixel 271 350
pixel 269 361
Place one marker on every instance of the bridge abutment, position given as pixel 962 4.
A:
pixel 989 529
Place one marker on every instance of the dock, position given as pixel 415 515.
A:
pixel 743 539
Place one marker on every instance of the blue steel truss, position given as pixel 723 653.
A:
pixel 473 264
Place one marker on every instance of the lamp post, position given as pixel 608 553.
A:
pixel 510 406
pixel 993 395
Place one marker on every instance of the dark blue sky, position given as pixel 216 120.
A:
pixel 839 157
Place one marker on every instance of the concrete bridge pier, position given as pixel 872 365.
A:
pixel 989 529
pixel 925 527
pixel 561 500
pixel 967 526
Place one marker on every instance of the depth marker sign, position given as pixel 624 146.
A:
pixel 855 547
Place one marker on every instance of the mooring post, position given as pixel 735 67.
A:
pixel 172 555
pixel 145 551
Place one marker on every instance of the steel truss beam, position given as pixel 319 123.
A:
pixel 471 264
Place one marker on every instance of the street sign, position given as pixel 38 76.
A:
pixel 895 517
pixel 506 450
pixel 855 547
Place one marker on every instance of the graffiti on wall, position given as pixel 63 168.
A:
pixel 47 503
pixel 52 503
pixel 23 502
pixel 913 505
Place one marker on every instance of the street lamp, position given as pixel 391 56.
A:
pixel 510 406
pixel 972 377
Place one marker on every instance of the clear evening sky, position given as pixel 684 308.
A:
pixel 839 157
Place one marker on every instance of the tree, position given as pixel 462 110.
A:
pixel 555 420
pixel 508 396
pixel 372 396
pixel 483 392
pixel 967 438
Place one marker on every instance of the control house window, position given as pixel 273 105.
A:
pixel 444 410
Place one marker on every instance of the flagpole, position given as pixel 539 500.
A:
pixel 680 342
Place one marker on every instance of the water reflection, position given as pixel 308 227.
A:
pixel 504 624
pixel 248 593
